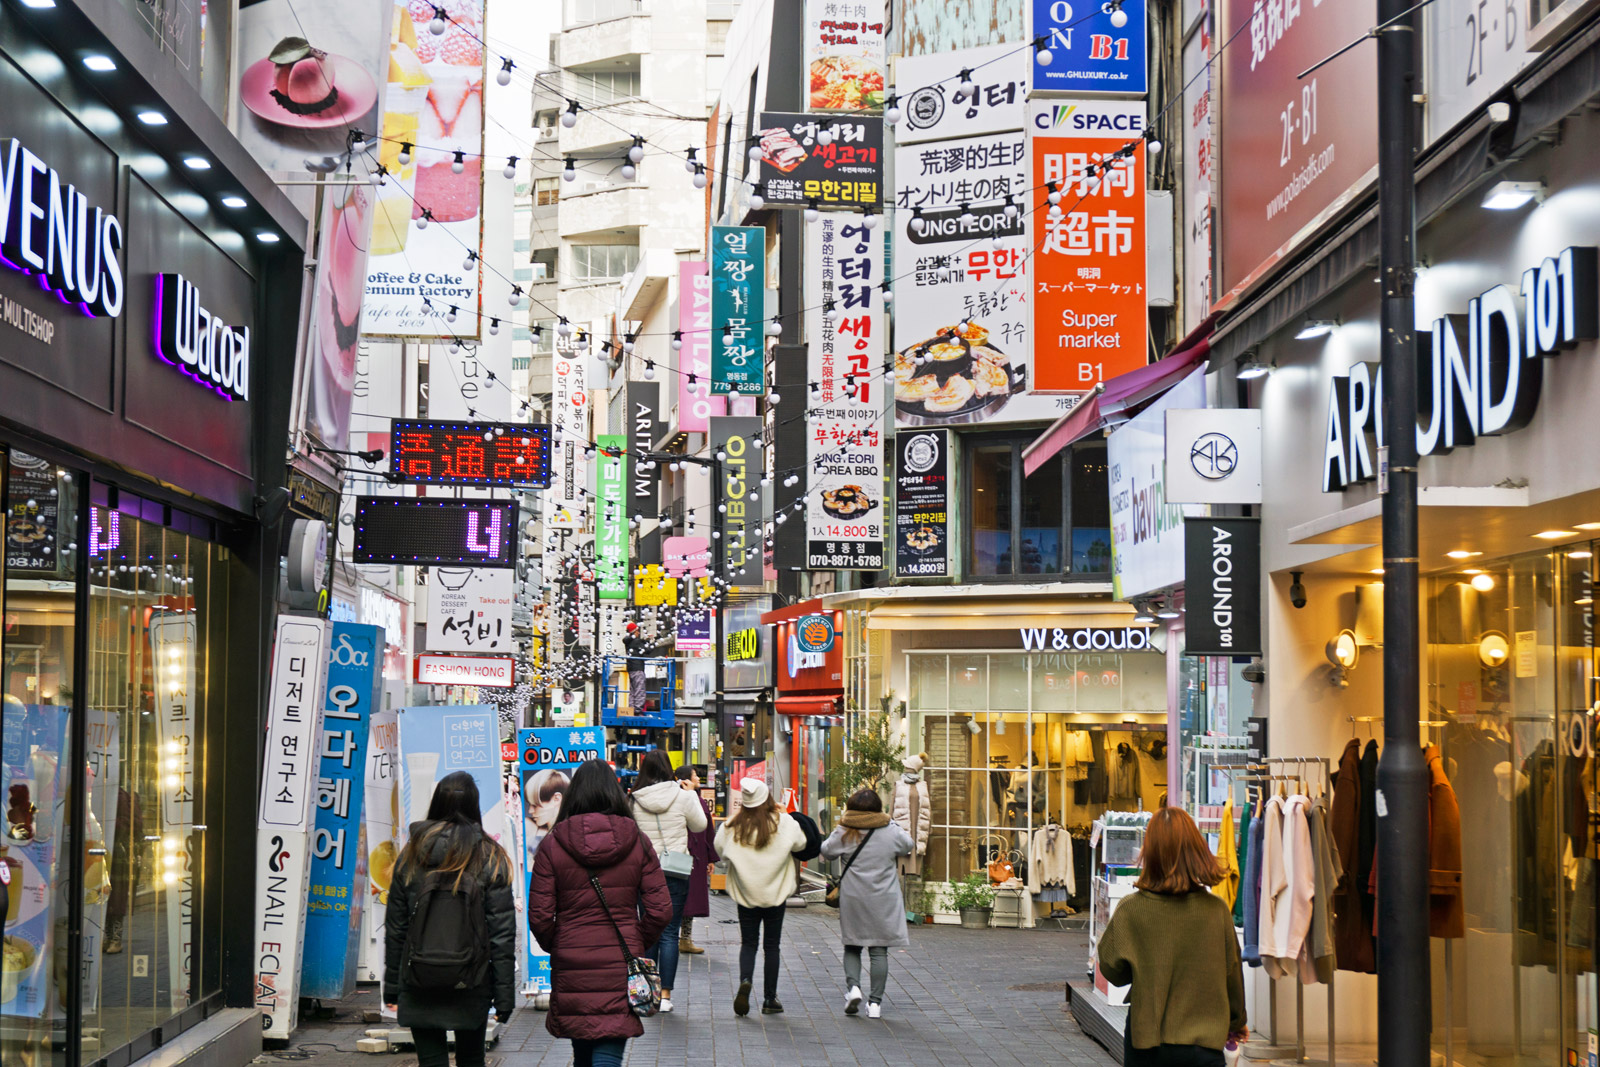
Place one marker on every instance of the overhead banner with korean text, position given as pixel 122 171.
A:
pixel 695 402
pixel 968 260
pixel 429 210
pixel 740 524
pixel 287 808
pixel 994 98
pixel 798 170
pixel 738 291
pixel 338 865
pixel 1089 319
pixel 922 504
pixel 844 416
pixel 565 500
pixel 611 517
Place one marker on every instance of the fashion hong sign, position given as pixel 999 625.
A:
pixel 1480 374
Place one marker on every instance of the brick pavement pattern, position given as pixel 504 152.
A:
pixel 953 1000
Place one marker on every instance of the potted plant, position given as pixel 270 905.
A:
pixel 973 897
pixel 874 755
pixel 927 902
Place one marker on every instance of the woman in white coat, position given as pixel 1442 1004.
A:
pixel 872 915
pixel 758 844
pixel 668 813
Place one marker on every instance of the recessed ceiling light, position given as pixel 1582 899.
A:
pixel 1483 583
pixel 235 202
pixel 100 63
pixel 1586 526
pixel 197 162
pixel 1462 553
pixel 1472 570
pixel 1555 535
pixel 267 237
pixel 1580 553
pixel 153 118
pixel 1584 601
pixel 39 4
pixel 1376 570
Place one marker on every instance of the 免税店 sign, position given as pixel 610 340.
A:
pixel 1480 375
pixel 1086 639
pixel 49 228
pixel 198 343
pixel 744 644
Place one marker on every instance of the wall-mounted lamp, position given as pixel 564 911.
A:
pixel 1314 328
pixel 1509 196
pixel 1255 368
pixel 1493 649
pixel 1343 653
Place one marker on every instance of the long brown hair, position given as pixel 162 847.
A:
pixel 1175 857
pixel 864 799
pixel 753 827
pixel 455 807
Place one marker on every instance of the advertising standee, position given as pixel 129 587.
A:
pixel 922 504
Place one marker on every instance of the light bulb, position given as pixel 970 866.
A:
pixel 891 114
pixel 1119 18
pixel 1044 57
pixel 812 214
pixel 757 201
pixel 699 179
pixel 569 119
pixel 459 163
pixel 629 172
pixel 825 136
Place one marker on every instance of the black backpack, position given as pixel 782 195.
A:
pixel 447 945
pixel 808 826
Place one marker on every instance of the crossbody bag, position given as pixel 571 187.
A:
pixel 831 898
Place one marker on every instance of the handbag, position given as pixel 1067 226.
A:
pixel 644 981
pixel 831 897
pixel 673 864
pixel 1000 870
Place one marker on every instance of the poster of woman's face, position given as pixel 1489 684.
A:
pixel 542 793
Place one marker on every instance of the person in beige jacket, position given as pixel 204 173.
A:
pixel 758 844
pixel 911 812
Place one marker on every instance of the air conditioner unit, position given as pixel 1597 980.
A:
pixel 546 131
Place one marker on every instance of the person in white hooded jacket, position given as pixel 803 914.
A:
pixel 667 812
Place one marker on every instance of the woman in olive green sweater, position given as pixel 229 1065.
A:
pixel 1173 941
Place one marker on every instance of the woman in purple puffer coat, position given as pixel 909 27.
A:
pixel 595 832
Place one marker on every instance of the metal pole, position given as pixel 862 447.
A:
pixel 719 567
pixel 1404 993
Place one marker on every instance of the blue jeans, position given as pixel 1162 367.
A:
pixel 607 1052
pixel 665 951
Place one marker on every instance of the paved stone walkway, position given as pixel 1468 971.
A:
pixel 956 998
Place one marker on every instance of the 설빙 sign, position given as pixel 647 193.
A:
pixel 1090 316
pixel 844 438
pixel 469 609
pixel 798 170
pixel 922 504
pixel 738 326
pixel 1089 52
pixel 1291 155
pixel 1222 583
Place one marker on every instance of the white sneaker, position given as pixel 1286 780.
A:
pixel 666 1005
pixel 852 1000
pixel 874 1011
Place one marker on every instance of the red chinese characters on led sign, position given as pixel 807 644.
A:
pixel 470 453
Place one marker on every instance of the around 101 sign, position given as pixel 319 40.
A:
pixel 458 533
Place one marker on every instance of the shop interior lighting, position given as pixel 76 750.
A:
pixel 1493 648
pixel 153 118
pixel 1315 328
pixel 1168 612
pixel 1508 196
pixel 1555 535
pixel 234 202
pixel 1586 526
pixel 197 162
pixel 98 63
pixel 1483 583
pixel 39 4
pixel 1254 368
pixel 267 237
pixel 1343 651
pixel 1462 553
pixel 1580 553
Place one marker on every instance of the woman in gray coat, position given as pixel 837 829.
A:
pixel 872 913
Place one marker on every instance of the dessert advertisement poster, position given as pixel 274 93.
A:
pixel 428 213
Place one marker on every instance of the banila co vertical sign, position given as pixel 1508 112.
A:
pixel 1222 581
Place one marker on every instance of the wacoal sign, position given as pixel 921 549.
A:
pixel 1480 374
pixel 49 229
pixel 199 343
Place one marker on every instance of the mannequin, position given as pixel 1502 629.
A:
pixel 911 811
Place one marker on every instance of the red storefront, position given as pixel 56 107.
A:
pixel 810 700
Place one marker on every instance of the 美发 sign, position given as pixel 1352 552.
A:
pixel 1085 639
pixel 1222 586
pixel 1482 372
pixel 494 672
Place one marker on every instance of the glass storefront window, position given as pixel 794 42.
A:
pixel 991 509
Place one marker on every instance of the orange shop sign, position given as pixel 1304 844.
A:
pixel 1090 322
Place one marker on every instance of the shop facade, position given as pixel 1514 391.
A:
pixel 145 379
pixel 1508 303
pixel 1032 711
pixel 809 700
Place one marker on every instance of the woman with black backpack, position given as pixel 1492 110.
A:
pixel 598 901
pixel 450 946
